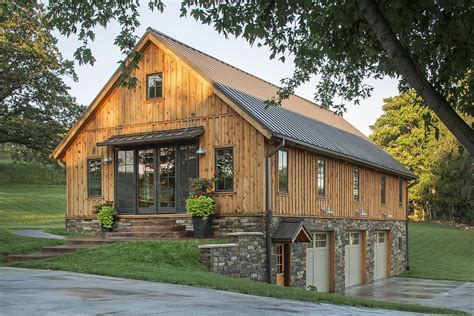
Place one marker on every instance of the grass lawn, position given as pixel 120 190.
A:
pixel 177 262
pixel 440 252
pixel 30 207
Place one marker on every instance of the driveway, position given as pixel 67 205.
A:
pixel 449 294
pixel 39 292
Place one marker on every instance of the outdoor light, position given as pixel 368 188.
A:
pixel 107 160
pixel 387 215
pixel 201 151
pixel 327 211
pixel 361 212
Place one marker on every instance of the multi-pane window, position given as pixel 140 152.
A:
pixel 283 171
pixel 279 254
pixel 320 240
pixel 352 238
pixel 400 192
pixel 225 169
pixel 383 189
pixel 94 177
pixel 356 180
pixel 380 237
pixel 154 86
pixel 321 178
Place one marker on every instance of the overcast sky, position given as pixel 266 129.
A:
pixel 236 52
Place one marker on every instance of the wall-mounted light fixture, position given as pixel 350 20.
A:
pixel 327 211
pixel 201 151
pixel 106 160
pixel 387 215
pixel 361 212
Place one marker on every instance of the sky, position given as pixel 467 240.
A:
pixel 236 52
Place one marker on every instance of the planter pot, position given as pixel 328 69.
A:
pixel 202 228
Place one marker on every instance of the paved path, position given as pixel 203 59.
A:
pixel 449 294
pixel 39 292
pixel 37 234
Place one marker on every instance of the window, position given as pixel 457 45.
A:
pixel 352 238
pixel 225 169
pixel 380 238
pixel 400 192
pixel 320 240
pixel 94 177
pixel 154 86
pixel 279 254
pixel 321 178
pixel 283 171
pixel 383 184
pixel 356 185
pixel 125 180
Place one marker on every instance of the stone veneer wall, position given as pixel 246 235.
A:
pixel 84 225
pixel 243 257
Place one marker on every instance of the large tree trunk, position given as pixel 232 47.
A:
pixel 407 68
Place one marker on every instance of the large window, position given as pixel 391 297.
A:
pixel 356 181
pixel 321 178
pixel 225 169
pixel 383 189
pixel 125 181
pixel 283 171
pixel 400 192
pixel 94 177
pixel 154 86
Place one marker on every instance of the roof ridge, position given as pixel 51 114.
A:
pixel 241 70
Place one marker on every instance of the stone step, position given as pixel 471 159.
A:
pixel 64 248
pixel 149 222
pixel 30 257
pixel 145 235
pixel 89 241
pixel 145 228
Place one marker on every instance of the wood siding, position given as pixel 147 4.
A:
pixel 302 198
pixel 187 101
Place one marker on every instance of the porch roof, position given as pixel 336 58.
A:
pixel 153 137
pixel 291 230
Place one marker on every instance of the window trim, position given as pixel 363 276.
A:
pixel 358 185
pixel 101 178
pixel 321 196
pixel 162 84
pixel 383 189
pixel 232 190
pixel 287 191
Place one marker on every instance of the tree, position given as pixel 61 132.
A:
pixel 35 106
pixel 426 44
pixel 408 131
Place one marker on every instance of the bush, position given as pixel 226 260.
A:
pixel 202 206
pixel 106 216
pixel 202 187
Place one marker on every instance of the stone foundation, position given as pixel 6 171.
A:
pixel 83 226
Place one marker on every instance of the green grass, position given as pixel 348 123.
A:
pixel 30 207
pixel 177 262
pixel 440 252
pixel 30 173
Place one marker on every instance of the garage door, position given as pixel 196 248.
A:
pixel 380 255
pixel 353 258
pixel 317 263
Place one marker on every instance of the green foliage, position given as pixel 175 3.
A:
pixel 106 216
pixel 31 173
pixel 202 206
pixel 35 106
pixel 409 131
pixel 177 262
pixel 440 252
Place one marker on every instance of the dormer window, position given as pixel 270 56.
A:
pixel 154 86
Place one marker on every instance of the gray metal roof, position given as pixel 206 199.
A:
pixel 297 120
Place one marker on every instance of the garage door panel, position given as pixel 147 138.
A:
pixel 380 253
pixel 353 259
pixel 317 263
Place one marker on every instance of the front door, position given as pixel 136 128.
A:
pixel 280 254
pixel 154 180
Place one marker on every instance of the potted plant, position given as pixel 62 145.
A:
pixel 106 215
pixel 201 206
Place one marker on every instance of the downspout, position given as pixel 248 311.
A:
pixel 406 224
pixel 268 220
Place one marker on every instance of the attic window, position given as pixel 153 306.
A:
pixel 154 86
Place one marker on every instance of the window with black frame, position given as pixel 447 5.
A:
pixel 94 177
pixel 400 192
pixel 154 86
pixel 383 184
pixel 224 166
pixel 283 171
pixel 321 178
pixel 356 181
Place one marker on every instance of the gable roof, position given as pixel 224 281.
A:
pixel 298 120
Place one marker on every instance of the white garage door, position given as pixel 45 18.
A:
pixel 317 263
pixel 380 255
pixel 353 258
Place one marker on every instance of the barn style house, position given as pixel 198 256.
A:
pixel 305 198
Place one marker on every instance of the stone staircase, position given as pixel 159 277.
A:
pixel 150 228
pixel 72 245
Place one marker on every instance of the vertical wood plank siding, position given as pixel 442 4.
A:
pixel 302 198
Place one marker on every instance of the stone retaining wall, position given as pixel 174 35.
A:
pixel 243 257
pixel 84 226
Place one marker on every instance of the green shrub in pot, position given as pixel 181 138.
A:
pixel 201 206
pixel 106 216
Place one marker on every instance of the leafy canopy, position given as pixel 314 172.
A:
pixel 35 106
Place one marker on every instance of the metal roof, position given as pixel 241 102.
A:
pixel 153 137
pixel 297 120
